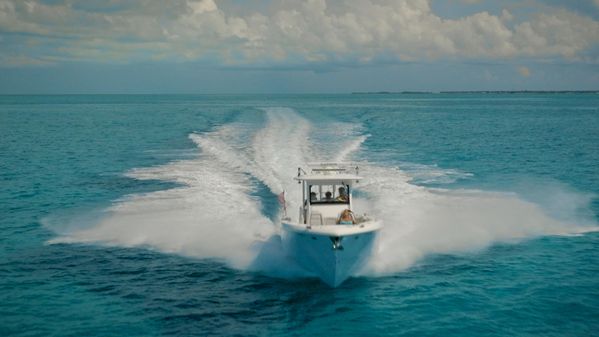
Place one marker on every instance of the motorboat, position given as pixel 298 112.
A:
pixel 329 239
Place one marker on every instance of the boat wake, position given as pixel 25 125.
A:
pixel 217 210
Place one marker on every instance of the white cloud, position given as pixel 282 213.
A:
pixel 291 31
pixel 203 6
pixel 559 33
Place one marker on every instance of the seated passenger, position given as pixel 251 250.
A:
pixel 346 218
pixel 313 196
pixel 328 196
pixel 342 194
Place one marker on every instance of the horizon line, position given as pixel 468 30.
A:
pixel 375 92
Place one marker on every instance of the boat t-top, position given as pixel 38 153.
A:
pixel 329 239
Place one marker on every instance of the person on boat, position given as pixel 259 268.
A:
pixel 342 194
pixel 313 196
pixel 328 196
pixel 346 218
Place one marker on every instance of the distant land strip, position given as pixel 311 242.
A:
pixel 479 92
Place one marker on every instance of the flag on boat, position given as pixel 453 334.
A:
pixel 281 198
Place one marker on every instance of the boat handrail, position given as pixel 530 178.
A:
pixel 329 167
pixel 330 163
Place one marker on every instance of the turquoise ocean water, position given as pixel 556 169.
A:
pixel 157 215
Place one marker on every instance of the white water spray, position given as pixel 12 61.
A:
pixel 214 215
pixel 420 221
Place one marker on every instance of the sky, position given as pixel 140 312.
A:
pixel 292 46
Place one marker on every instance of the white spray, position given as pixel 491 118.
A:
pixel 214 215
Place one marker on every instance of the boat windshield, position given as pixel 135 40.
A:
pixel 329 194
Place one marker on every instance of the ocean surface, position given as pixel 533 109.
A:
pixel 158 215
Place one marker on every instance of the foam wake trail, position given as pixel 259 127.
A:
pixel 279 149
pixel 213 214
pixel 272 155
pixel 350 148
pixel 420 221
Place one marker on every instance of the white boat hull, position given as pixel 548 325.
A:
pixel 333 253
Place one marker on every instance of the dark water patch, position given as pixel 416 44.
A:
pixel 269 203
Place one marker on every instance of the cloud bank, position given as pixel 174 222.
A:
pixel 284 32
